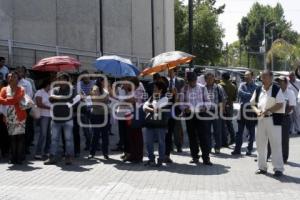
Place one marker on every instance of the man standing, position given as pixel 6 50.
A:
pixel 174 126
pixel 196 96
pixel 217 97
pixel 245 93
pixel 62 119
pixel 268 103
pixel 3 69
pixel 84 87
pixel 294 85
pixel 290 99
pixel 227 126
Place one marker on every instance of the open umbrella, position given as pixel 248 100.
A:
pixel 167 61
pixel 116 66
pixel 57 64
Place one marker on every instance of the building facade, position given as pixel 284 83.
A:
pixel 86 29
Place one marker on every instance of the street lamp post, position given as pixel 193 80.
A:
pixel 265 42
pixel 190 42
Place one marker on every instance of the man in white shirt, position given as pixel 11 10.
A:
pixel 268 103
pixel 294 85
pixel 290 99
pixel 25 83
pixel 3 69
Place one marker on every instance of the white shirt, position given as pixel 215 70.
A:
pixel 290 97
pixel 27 87
pixel 266 101
pixel 3 72
pixel 45 100
pixel 157 103
pixel 293 88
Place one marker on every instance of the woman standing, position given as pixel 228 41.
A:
pixel 16 117
pixel 99 118
pixel 135 135
pixel 154 108
pixel 42 102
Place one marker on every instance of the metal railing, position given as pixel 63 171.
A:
pixel 27 54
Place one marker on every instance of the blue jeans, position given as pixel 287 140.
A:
pixel 57 128
pixel 150 134
pixel 216 124
pixel 44 139
pixel 239 135
pixel 97 131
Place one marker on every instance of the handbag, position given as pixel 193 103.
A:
pixel 35 112
pixel 157 120
pixel 26 103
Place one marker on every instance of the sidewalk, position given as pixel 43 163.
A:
pixel 229 178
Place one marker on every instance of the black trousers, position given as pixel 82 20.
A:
pixel 170 134
pixel 29 131
pixel 123 139
pixel 198 136
pixel 285 138
pixel 76 136
pixel 17 145
pixel 4 138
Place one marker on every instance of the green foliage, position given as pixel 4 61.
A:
pixel 207 34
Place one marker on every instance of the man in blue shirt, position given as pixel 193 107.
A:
pixel 245 93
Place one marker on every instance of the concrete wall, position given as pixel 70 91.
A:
pixel 127 25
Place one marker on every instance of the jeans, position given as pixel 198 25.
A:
pixel 97 131
pixel 216 125
pixel 57 129
pixel 239 136
pixel 44 139
pixel 150 134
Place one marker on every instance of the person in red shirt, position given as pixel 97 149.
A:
pixel 11 97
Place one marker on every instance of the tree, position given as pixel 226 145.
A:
pixel 207 32
pixel 251 28
pixel 181 23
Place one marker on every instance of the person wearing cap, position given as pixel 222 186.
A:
pixel 195 103
pixel 245 93
pixel 290 103
pixel 267 102
pixel 294 85
pixel 61 99
pixel 231 95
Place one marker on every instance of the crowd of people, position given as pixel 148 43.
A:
pixel 49 118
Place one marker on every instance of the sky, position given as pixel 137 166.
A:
pixel 236 9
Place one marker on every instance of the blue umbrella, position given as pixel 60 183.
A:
pixel 116 66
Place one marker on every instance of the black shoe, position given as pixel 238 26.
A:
pixel 68 160
pixel 196 161
pixel 168 160
pixel 260 171
pixel 235 153
pixel 159 163
pixel 91 156
pixel 106 157
pixel 179 150
pixel 150 163
pixel 207 162
pixel 50 161
pixel 277 174
pixel 248 153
